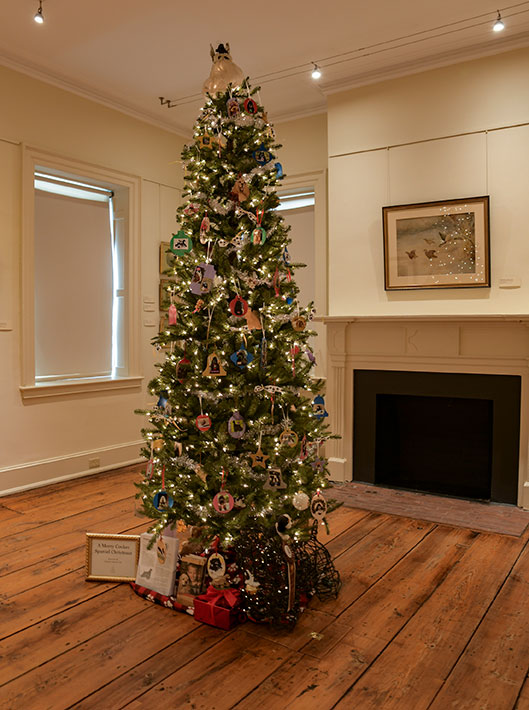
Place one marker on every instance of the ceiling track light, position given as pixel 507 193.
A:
pixel 498 25
pixel 316 72
pixel 39 17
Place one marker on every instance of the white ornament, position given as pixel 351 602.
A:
pixel 300 501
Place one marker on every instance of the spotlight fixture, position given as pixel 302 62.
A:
pixel 498 26
pixel 39 17
pixel 316 72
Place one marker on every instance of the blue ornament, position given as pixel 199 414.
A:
pixel 162 401
pixel 241 357
pixel 286 256
pixel 262 156
pixel 289 300
pixel 279 170
pixel 318 407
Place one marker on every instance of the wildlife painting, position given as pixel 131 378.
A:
pixel 440 244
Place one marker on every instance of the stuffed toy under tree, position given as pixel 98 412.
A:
pixel 235 438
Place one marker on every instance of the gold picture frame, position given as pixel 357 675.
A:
pixel 444 244
pixel 166 257
pixel 111 558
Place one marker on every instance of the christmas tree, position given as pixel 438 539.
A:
pixel 234 442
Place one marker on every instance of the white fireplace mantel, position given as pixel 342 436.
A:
pixel 495 344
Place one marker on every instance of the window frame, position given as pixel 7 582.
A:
pixel 35 158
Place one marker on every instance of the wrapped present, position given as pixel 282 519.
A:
pixel 219 607
pixel 162 599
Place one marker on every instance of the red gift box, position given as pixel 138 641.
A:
pixel 218 607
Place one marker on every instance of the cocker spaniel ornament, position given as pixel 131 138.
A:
pixel 223 72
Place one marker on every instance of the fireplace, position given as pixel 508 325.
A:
pixel 424 349
pixel 452 434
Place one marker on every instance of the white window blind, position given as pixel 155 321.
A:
pixel 73 284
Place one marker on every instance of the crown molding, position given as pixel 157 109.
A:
pixel 86 92
pixel 477 51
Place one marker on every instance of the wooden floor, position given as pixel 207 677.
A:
pixel 429 617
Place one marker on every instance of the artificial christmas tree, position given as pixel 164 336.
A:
pixel 234 442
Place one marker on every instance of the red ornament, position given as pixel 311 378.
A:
pixel 182 369
pixel 203 422
pixel 238 307
pixel 250 106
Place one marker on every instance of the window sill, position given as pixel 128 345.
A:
pixel 74 388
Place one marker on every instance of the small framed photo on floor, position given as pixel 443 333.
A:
pixel 441 244
pixel 112 558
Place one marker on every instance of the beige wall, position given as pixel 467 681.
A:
pixel 304 144
pixel 47 440
pixel 400 142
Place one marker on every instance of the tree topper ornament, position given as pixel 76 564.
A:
pixel 223 72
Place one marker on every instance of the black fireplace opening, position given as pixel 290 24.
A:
pixel 448 434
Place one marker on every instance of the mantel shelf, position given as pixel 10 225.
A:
pixel 479 317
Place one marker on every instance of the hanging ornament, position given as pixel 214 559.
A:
pixel 203 422
pixel 288 437
pixel 233 107
pixel 258 236
pixel 298 323
pixel 300 500
pixel 259 459
pixel 203 279
pixel 216 566
pixel 241 190
pixel 180 243
pixel 199 304
pixel 289 300
pixel 274 480
pixel 310 356
pixel 206 141
pixel 162 400
pixel 279 170
pixel 224 71
pixel 201 473
pixel 172 314
pixel 162 499
pixel 222 243
pixel 293 352
pixel 250 106
pixel 158 444
pixel 264 352
pixel 241 357
pixel 204 228
pixel 214 366
pixel 318 465
pixel 223 502
pixel 236 425
pixel 286 256
pixel 253 321
pixel 262 155
pixel 318 506
pixel 183 368
pixel 318 407
pixel 313 448
pixel 238 306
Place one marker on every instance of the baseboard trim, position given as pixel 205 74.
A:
pixel 35 474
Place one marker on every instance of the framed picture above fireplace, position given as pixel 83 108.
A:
pixel 441 244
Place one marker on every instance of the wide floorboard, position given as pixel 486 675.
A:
pixel 429 616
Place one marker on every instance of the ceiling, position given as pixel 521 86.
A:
pixel 128 53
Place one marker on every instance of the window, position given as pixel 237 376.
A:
pixel 80 256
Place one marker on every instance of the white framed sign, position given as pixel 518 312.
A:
pixel 112 558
